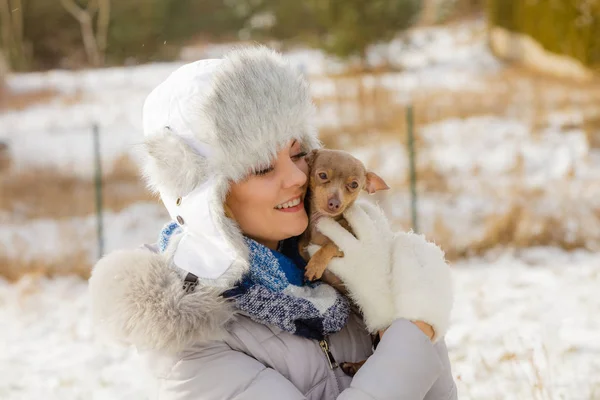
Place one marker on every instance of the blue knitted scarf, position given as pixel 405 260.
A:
pixel 274 291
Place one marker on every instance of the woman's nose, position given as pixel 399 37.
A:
pixel 293 175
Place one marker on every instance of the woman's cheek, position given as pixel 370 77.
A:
pixel 304 166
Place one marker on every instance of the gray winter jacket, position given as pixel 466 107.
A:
pixel 207 125
pixel 196 346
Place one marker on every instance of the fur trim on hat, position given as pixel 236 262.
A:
pixel 256 104
pixel 172 164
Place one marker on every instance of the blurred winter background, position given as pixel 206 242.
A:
pixel 496 104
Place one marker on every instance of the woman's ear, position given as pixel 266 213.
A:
pixel 228 212
pixel 375 183
pixel 310 157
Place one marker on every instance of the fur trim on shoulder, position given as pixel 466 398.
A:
pixel 138 299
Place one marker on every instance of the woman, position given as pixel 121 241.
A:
pixel 219 309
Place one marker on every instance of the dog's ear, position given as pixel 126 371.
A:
pixel 310 157
pixel 375 183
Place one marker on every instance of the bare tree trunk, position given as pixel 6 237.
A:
pixel 17 18
pixel 428 12
pixel 11 18
pixel 102 28
pixel 5 20
pixel 94 44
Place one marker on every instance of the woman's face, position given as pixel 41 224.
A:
pixel 269 205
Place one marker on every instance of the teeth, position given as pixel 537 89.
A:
pixel 289 204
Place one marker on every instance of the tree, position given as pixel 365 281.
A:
pixel 348 27
pixel 287 20
pixel 11 22
pixel 566 27
pixel 94 44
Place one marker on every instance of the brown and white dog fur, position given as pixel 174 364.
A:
pixel 336 179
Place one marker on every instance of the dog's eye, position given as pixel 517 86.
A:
pixel 322 175
pixel 354 185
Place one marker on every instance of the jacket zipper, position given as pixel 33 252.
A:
pixel 324 344
pixel 325 347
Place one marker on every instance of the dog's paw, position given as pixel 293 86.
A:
pixel 350 368
pixel 313 271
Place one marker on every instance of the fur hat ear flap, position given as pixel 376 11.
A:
pixel 172 164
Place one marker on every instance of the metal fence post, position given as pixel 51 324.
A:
pixel 98 189
pixel 412 166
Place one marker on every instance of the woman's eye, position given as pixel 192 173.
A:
pixel 322 175
pixel 300 155
pixel 263 171
pixel 354 185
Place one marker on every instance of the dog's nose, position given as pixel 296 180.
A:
pixel 334 204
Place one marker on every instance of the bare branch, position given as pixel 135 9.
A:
pixel 102 28
pixel 85 19
pixel 78 13
pixel 17 18
pixel 92 7
pixel 6 24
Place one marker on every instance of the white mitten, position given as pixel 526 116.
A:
pixel 421 282
pixel 365 267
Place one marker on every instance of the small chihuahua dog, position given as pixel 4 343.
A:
pixel 335 181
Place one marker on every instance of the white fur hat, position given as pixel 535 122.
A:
pixel 210 123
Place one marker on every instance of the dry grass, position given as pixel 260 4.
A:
pixel 48 193
pixel 71 261
pixel 371 115
pixel 519 226
pixel 15 101
pixel 515 92
pixel 77 263
pixel 10 101
pixel 592 131
pixel 361 109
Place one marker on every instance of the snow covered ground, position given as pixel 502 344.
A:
pixel 525 326
pixel 526 321
pixel 483 160
pixel 58 133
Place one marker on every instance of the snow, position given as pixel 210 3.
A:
pixel 524 326
pixel 525 321
pixel 492 146
pixel 137 224
pixel 488 168
pixel 48 350
pixel 112 98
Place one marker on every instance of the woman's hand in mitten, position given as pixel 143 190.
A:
pixel 365 266
pixel 421 282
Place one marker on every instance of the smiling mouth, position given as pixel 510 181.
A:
pixel 289 204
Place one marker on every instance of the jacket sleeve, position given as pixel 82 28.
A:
pixel 221 373
pixel 444 388
pixel 405 366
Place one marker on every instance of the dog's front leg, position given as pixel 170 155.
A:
pixel 318 262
